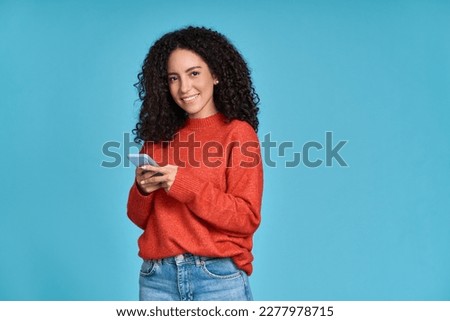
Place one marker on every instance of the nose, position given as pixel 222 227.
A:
pixel 185 85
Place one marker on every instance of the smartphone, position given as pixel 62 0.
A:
pixel 143 159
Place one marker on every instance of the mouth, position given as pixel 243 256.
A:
pixel 189 99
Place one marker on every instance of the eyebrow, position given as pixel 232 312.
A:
pixel 187 70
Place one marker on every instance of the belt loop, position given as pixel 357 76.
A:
pixel 179 259
pixel 198 261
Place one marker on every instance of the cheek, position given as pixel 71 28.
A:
pixel 207 86
pixel 173 91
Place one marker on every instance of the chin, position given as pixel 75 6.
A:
pixel 192 110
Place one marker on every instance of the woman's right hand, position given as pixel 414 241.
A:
pixel 145 182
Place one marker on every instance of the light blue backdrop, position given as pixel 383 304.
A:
pixel 374 73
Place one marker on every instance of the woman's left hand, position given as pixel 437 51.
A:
pixel 169 172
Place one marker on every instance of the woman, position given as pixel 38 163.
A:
pixel 198 121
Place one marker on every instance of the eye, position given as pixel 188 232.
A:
pixel 195 73
pixel 172 79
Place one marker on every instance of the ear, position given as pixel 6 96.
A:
pixel 215 79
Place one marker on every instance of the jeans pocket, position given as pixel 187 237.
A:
pixel 221 269
pixel 147 268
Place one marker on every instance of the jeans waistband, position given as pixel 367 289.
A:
pixel 186 258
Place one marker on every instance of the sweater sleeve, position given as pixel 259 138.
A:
pixel 139 204
pixel 235 211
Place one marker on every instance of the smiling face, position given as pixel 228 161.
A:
pixel 191 83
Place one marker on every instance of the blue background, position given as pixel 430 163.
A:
pixel 375 73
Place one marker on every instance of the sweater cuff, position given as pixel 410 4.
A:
pixel 185 187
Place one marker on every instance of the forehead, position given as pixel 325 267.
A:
pixel 183 59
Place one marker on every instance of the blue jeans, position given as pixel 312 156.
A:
pixel 193 278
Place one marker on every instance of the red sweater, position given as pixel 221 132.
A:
pixel 213 206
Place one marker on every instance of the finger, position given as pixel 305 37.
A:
pixel 154 169
pixel 154 180
pixel 147 174
pixel 152 188
pixel 140 171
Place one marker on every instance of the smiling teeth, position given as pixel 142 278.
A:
pixel 190 98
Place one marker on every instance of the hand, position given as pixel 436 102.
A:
pixel 144 182
pixel 150 182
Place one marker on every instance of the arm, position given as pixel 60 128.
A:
pixel 141 196
pixel 138 206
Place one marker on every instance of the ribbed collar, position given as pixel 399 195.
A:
pixel 216 120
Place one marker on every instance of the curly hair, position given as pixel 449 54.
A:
pixel 160 117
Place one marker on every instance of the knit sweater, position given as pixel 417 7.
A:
pixel 213 206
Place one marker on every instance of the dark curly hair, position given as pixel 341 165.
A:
pixel 160 117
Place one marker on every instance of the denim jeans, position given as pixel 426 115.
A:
pixel 193 278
